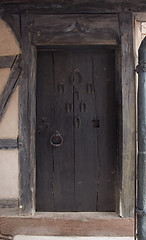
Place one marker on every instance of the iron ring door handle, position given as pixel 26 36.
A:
pixel 56 140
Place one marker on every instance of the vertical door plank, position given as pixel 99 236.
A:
pixel 103 61
pixel 63 179
pixel 85 135
pixel 45 118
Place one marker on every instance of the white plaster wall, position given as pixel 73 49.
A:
pixel 143 29
pixel 138 38
pixel 8 174
pixel 9 168
pixel 9 123
pixel 8 43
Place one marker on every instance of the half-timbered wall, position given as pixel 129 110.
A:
pixel 9 184
pixel 64 29
pixel 17 174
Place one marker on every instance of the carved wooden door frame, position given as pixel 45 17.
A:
pixel 78 29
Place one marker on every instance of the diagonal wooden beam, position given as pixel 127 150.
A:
pixel 10 86
pixel 7 61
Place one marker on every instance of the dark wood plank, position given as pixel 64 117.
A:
pixel 104 81
pixel 6 61
pixel 8 203
pixel 80 6
pixel 55 188
pixel 63 123
pixel 76 29
pixel 128 124
pixel 8 143
pixel 10 86
pixel 45 115
pixel 86 156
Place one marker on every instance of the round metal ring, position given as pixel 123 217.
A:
pixel 56 137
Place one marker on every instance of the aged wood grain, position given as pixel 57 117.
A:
pixel 64 226
pixel 63 122
pixel 86 146
pixel 10 86
pixel 8 203
pixel 8 143
pixel 26 116
pixel 76 6
pixel 6 61
pixel 104 81
pixel 127 192
pixel 76 29
pixel 45 120
pixel 75 87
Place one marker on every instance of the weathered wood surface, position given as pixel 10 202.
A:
pixel 140 16
pixel 45 101
pixel 8 143
pixel 26 117
pixel 8 207
pixel 10 86
pixel 6 61
pixel 76 29
pixel 80 6
pixel 128 123
pixel 62 225
pixel 80 174
pixel 8 203
pixel 32 123
pixel 105 95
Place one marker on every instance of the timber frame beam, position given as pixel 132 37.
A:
pixel 11 84
pixel 76 6
pixel 35 31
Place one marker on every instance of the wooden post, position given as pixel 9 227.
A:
pixel 27 118
pixel 128 121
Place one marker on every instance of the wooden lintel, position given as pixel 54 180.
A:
pixel 8 144
pixel 7 61
pixel 76 6
pixel 10 86
pixel 76 29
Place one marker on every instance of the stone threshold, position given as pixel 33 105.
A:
pixel 68 224
pixel 30 237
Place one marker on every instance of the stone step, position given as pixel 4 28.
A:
pixel 30 237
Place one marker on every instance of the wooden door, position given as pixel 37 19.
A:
pixel 76 130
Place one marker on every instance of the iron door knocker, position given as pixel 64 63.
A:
pixel 56 140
